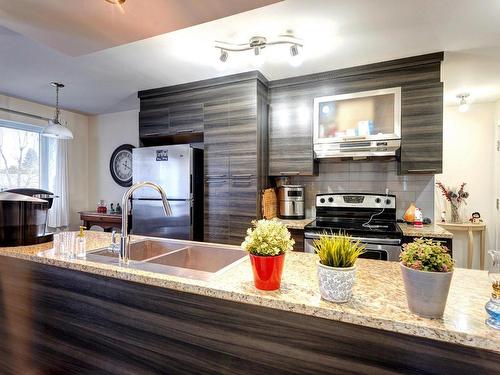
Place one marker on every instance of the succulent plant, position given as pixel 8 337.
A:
pixel 426 255
pixel 338 250
pixel 268 238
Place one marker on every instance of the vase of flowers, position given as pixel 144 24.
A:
pixel 427 269
pixel 455 197
pixel 336 265
pixel 267 244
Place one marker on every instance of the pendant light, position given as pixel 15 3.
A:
pixel 55 129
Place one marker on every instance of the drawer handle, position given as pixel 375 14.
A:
pixel 216 181
pixel 242 175
pixel 430 170
pixel 184 131
pixel 289 173
pixel 151 134
pixel 215 175
pixel 242 182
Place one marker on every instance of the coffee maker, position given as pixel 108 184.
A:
pixel 291 202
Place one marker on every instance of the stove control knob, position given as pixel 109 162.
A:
pixel 388 202
pixel 322 200
pixel 378 200
pixel 330 199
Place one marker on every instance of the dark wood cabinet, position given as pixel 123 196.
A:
pixel 154 123
pixel 234 146
pixel 231 112
pixel 216 138
pixel 242 207
pixel 298 236
pixel 290 134
pixel 216 224
pixel 186 118
pixel 175 113
pixel 291 112
pixel 422 129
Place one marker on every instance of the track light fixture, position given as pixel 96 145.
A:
pixel 463 106
pixel 259 43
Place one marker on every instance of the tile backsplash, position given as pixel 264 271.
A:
pixel 369 177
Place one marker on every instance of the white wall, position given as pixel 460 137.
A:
pixel 77 149
pixel 106 133
pixel 469 156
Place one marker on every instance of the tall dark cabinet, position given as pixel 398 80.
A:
pixel 231 112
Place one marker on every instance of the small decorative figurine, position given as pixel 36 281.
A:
pixel 443 216
pixel 476 218
pixel 111 209
pixel 417 223
pixel 118 209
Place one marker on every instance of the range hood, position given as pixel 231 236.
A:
pixel 358 125
pixel 359 148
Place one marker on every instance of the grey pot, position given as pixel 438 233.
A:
pixel 426 292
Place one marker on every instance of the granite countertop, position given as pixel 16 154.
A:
pixel 430 230
pixel 379 299
pixel 296 224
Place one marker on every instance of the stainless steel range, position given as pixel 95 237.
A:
pixel 371 218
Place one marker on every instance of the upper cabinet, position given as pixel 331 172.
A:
pixel 413 82
pixel 290 132
pixel 171 115
pixel 422 129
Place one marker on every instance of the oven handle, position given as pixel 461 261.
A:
pixel 386 241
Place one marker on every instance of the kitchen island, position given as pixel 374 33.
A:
pixel 81 317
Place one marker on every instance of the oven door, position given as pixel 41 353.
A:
pixel 381 251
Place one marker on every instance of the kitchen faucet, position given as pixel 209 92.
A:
pixel 124 238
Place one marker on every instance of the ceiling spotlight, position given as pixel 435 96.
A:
pixel 223 55
pixel 463 106
pixel 296 58
pixel 115 2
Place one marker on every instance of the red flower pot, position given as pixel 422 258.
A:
pixel 267 271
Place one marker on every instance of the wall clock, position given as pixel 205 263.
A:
pixel 120 165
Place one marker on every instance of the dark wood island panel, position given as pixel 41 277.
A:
pixel 58 321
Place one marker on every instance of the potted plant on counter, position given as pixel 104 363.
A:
pixel 427 269
pixel 336 265
pixel 267 244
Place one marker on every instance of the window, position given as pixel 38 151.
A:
pixel 20 155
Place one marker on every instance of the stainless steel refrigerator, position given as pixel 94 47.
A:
pixel 178 169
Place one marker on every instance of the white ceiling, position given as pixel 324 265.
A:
pixel 336 33
pixel 76 27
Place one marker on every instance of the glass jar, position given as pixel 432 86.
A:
pixel 493 305
pixel 101 207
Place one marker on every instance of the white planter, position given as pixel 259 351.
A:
pixel 335 284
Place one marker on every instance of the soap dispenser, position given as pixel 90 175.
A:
pixel 81 244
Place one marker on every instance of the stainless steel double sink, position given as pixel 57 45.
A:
pixel 194 260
